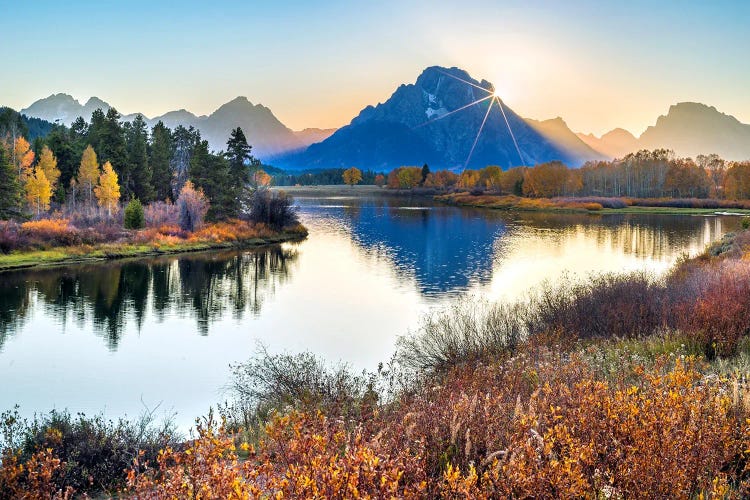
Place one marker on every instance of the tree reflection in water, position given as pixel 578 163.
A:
pixel 203 286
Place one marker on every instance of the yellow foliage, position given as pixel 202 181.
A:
pixel 88 172
pixel 24 158
pixel 108 190
pixel 38 191
pixel 48 164
pixel 352 176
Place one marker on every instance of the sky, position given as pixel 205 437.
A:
pixel 599 65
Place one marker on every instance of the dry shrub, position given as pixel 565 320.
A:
pixel 160 213
pixel 300 457
pixel 50 232
pixel 714 305
pixel 34 479
pixel 233 230
pixel 537 425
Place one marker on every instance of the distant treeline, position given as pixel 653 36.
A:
pixel 324 177
pixel 26 126
pixel 645 174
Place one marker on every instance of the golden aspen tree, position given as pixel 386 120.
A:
pixel 38 191
pixel 24 157
pixel 261 178
pixel 108 190
pixel 88 172
pixel 352 176
pixel 48 164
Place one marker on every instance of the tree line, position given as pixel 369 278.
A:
pixel 96 164
pixel 644 174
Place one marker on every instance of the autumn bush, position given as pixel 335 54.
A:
pixel 539 424
pixel 160 213
pixel 89 454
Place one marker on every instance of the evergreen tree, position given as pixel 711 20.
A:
pixel 139 183
pixel 184 142
pixel 133 217
pixel 241 165
pixel 160 160
pixel 210 173
pixel 425 173
pixel 10 188
pixel 93 132
pixel 60 142
pixel 107 137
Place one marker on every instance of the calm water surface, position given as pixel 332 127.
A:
pixel 118 337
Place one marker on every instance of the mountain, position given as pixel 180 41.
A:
pixel 557 131
pixel 314 135
pixel 437 120
pixel 268 136
pixel 691 129
pixel 614 144
pixel 688 128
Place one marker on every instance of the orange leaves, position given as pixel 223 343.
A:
pixel 34 479
pixel 261 178
pixel 23 157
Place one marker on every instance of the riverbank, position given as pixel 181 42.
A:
pixel 582 205
pixel 594 389
pixel 210 238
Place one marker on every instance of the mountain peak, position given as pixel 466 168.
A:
pixel 95 102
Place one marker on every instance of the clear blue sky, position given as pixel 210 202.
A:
pixel 316 64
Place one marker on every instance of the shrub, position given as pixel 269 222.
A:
pixel 95 452
pixel 274 383
pixel 276 209
pixel 193 207
pixel 746 223
pixel 160 213
pixel 134 218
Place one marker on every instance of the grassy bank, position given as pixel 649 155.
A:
pixel 615 386
pixel 590 205
pixel 147 245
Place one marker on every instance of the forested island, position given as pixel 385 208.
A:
pixel 108 189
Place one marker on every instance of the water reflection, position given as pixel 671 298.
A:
pixel 447 251
pixel 201 286
pixel 109 337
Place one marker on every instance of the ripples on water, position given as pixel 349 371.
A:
pixel 120 335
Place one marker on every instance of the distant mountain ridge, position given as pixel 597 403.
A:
pixel 268 136
pixel 688 128
pixel 436 120
pixel 424 122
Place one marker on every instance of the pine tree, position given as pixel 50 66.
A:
pixel 108 190
pixel 134 218
pixel 108 138
pixel 10 189
pixel 160 160
pixel 184 142
pixel 210 173
pixel 88 172
pixel 60 141
pixel 241 165
pixel 139 184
